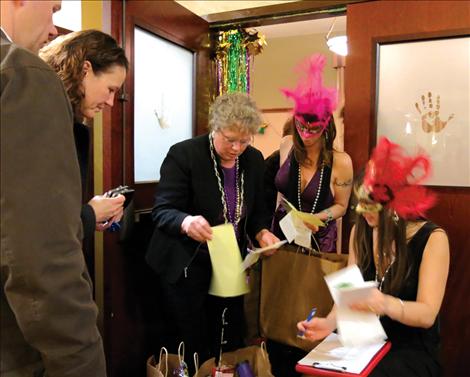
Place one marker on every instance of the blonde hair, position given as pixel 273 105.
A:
pixel 236 111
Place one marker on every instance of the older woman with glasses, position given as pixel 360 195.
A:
pixel 206 181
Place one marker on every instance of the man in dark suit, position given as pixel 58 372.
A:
pixel 48 317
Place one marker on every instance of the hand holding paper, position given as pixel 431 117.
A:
pixel 227 278
pixel 308 218
pixel 293 225
pixel 355 327
pixel 253 255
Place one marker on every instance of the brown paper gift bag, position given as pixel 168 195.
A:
pixel 256 356
pixel 167 362
pixel 292 284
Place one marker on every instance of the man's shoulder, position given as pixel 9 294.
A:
pixel 17 58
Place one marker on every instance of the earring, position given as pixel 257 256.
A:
pixel 395 217
pixel 326 136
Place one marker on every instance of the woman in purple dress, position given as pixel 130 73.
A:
pixel 313 176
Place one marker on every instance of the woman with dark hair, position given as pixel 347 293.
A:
pixel 313 176
pixel 93 68
pixel 408 257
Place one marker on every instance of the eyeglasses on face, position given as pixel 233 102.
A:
pixel 232 141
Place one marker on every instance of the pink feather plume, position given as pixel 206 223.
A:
pixel 310 96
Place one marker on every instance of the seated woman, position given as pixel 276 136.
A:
pixel 209 180
pixel 93 68
pixel 407 255
pixel 311 175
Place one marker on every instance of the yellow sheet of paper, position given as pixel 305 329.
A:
pixel 304 216
pixel 228 280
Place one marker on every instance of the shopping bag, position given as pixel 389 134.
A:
pixel 256 356
pixel 168 364
pixel 292 284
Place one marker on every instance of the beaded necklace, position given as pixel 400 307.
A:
pixel 299 183
pixel 384 275
pixel 223 194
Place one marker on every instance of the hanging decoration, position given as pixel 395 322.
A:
pixel 233 56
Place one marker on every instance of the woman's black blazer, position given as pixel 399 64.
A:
pixel 188 186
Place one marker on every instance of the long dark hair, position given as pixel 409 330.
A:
pixel 326 153
pixel 391 231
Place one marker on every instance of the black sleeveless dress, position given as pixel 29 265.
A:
pixel 414 350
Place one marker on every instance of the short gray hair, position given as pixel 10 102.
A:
pixel 235 110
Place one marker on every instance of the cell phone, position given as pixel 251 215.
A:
pixel 121 190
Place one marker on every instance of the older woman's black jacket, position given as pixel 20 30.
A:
pixel 188 186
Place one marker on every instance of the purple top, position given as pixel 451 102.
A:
pixel 230 188
pixel 327 235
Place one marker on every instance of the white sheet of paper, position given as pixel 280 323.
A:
pixel 288 227
pixel 253 255
pixel 331 354
pixel 304 234
pixel 348 295
pixel 355 328
pixel 277 245
pixel 295 230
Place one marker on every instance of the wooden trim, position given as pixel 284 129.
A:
pixel 277 110
pixel 279 13
pixel 62 31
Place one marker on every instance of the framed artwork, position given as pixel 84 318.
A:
pixel 423 102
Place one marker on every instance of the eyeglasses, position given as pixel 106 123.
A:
pixel 243 143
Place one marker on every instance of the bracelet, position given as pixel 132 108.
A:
pixel 402 308
pixel 329 214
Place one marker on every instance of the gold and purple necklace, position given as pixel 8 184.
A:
pixel 223 194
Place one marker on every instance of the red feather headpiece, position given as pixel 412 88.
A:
pixel 310 96
pixel 394 179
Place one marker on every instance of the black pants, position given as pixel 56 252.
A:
pixel 197 316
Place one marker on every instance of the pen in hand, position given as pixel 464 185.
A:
pixel 312 313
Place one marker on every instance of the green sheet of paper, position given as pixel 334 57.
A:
pixel 228 280
pixel 304 216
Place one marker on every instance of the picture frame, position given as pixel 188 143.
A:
pixel 422 100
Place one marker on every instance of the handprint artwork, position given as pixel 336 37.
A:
pixel 430 117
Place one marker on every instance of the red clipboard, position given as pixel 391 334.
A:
pixel 312 371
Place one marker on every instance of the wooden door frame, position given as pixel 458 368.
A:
pixel 118 320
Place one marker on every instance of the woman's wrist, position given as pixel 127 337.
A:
pixel 329 215
pixel 331 320
pixel 395 308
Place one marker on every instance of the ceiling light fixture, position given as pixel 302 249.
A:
pixel 339 44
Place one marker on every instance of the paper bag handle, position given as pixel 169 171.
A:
pixel 181 353
pixel 196 363
pixel 163 350
pixel 311 252
pixel 264 351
